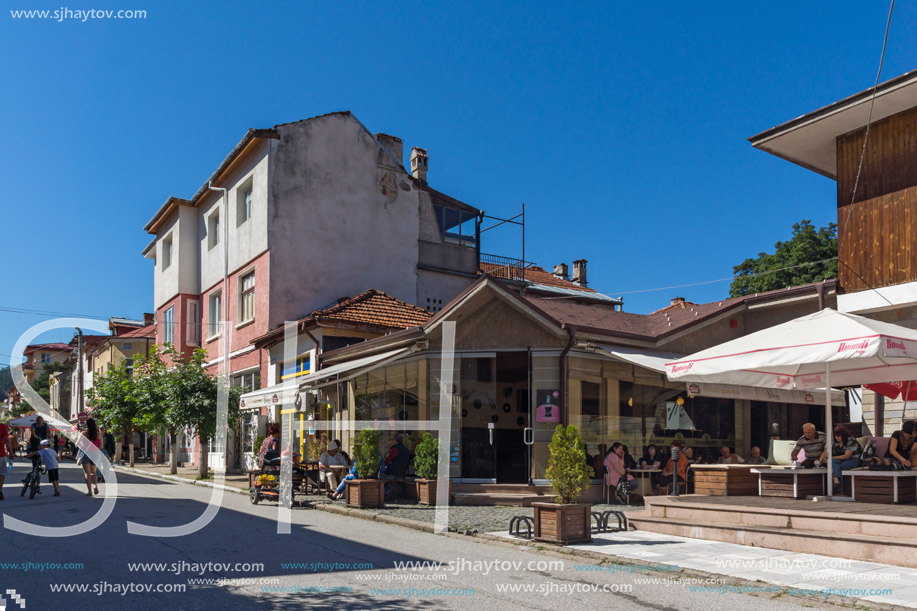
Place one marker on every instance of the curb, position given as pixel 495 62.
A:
pixel 181 480
pixel 534 546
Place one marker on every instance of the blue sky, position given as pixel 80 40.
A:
pixel 622 126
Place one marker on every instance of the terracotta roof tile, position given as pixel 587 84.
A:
pixel 375 308
pixel 147 331
pixel 534 274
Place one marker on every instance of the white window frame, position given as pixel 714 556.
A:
pixel 214 314
pixel 245 196
pixel 213 229
pixel 166 252
pixel 168 326
pixel 243 293
pixel 194 323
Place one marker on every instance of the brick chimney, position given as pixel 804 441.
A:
pixel 561 272
pixel 677 301
pixel 579 272
pixel 419 162
pixel 148 319
pixel 394 145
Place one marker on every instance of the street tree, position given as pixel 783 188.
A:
pixel 151 390
pixel 115 407
pixel 809 256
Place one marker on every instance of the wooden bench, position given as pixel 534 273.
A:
pixel 882 486
pixel 790 483
pixel 725 480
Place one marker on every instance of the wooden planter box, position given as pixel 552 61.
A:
pixel 426 491
pixel 365 493
pixel 563 524
pixel 791 483
pixel 883 486
pixel 725 480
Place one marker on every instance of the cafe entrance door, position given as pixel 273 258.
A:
pixel 495 416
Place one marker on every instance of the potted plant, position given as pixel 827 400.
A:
pixel 366 490
pixel 565 521
pixel 426 461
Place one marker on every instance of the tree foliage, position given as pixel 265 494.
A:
pixel 41 384
pixel 567 468
pixel 426 457
pixel 367 454
pixel 810 255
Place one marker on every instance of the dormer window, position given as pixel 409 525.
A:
pixel 456 226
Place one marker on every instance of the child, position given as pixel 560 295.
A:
pixel 50 460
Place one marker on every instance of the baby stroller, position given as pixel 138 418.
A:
pixel 32 481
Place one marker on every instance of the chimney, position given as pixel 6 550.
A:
pixel 148 319
pixel 579 272
pixel 419 161
pixel 677 301
pixel 561 272
pixel 394 145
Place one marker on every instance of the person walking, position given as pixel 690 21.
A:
pixel 89 468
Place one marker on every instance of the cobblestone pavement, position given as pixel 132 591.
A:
pixel 474 519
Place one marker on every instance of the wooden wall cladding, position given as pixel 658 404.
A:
pixel 876 241
pixel 890 163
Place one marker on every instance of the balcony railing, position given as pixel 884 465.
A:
pixel 503 267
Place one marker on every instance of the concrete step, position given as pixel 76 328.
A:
pixel 694 510
pixel 496 498
pixel 898 551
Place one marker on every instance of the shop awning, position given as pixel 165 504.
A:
pixel 656 361
pixel 285 393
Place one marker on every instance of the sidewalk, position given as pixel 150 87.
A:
pixel 844 582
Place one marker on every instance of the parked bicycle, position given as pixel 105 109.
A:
pixel 32 481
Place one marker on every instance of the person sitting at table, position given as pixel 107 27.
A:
pixel 629 462
pixel 614 463
pixel 341 450
pixel 845 453
pixel 728 458
pixel 327 461
pixel 398 454
pixel 756 458
pixel 339 492
pixel 665 478
pixel 814 443
pixel 689 454
pixel 651 458
pixel 901 447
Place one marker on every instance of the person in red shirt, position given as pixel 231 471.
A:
pixel 5 445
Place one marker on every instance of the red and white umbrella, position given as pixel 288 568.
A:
pixel 822 350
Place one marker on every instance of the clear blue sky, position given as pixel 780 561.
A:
pixel 622 126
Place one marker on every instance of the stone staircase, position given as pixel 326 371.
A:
pixel 859 531
pixel 511 495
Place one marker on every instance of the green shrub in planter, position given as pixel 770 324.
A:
pixel 367 454
pixel 567 468
pixel 426 457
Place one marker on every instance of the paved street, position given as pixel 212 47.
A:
pixel 365 553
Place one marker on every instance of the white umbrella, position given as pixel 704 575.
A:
pixel 820 350
pixel 26 422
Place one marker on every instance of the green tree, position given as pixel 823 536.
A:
pixel 567 469
pixel 41 384
pixel 114 404
pixel 151 389
pixel 810 255
pixel 193 394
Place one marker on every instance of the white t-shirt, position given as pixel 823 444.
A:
pixel 329 461
pixel 49 458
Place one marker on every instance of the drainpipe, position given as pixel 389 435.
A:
pixel 226 347
pixel 571 331
pixel 225 215
pixel 318 347
pixel 79 400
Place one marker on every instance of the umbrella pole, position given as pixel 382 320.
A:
pixel 829 435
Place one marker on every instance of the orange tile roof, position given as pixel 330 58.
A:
pixel 534 274
pixel 375 308
pixel 147 331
